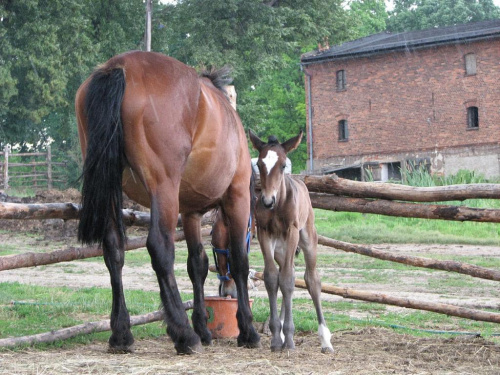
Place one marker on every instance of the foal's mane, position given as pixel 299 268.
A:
pixel 219 77
pixel 272 140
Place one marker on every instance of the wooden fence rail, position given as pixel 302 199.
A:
pixel 39 173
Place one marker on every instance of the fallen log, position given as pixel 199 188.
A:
pixel 402 209
pixel 332 184
pixel 31 259
pixel 82 329
pixel 443 265
pixel 440 308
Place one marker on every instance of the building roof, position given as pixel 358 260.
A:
pixel 385 42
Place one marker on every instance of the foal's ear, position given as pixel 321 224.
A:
pixel 292 143
pixel 257 143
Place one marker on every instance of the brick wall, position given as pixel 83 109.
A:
pixel 406 102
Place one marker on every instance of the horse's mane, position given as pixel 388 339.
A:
pixel 219 77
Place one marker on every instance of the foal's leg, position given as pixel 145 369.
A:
pixel 271 281
pixel 121 338
pixel 308 243
pixel 287 285
pixel 160 244
pixel 197 266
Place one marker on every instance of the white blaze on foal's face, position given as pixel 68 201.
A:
pixel 270 160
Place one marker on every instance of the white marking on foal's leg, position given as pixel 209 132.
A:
pixel 281 332
pixel 325 337
pixel 270 160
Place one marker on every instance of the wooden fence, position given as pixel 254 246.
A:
pixel 327 192
pixel 28 169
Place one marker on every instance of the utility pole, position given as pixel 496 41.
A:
pixel 147 36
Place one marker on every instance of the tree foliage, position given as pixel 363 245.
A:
pixel 367 17
pixel 410 15
pixel 249 35
pixel 48 48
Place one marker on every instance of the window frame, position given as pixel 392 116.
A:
pixel 472 117
pixel 470 62
pixel 343 129
pixel 341 80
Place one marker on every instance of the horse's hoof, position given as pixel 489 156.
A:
pixel 206 340
pixel 251 341
pixel 119 344
pixel 121 349
pixel 190 350
pixel 276 349
pixel 327 350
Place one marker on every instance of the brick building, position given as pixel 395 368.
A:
pixel 430 97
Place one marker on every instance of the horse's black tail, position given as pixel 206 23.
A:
pixel 103 166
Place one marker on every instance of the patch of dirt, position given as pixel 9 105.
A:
pixel 367 351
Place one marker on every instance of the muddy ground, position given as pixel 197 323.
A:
pixel 365 351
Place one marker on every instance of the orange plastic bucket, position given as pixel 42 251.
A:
pixel 221 316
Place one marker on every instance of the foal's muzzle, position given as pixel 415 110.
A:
pixel 268 203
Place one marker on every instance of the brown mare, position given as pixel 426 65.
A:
pixel 151 127
pixel 285 221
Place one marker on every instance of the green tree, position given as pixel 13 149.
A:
pixel 249 35
pixel 423 14
pixel 48 48
pixel 276 106
pixel 367 17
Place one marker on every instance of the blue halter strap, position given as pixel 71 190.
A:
pixel 226 253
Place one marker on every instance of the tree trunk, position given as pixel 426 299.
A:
pixel 445 265
pixel 401 209
pixel 71 211
pixel 85 328
pixel 9 262
pixel 332 184
pixel 440 308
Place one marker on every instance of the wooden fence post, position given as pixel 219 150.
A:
pixel 6 167
pixel 49 168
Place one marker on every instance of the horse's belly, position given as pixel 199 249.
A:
pixel 203 188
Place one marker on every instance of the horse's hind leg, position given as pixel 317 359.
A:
pixel 197 266
pixel 160 244
pixel 313 283
pixel 121 338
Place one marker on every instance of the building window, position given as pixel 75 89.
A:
pixel 341 80
pixel 470 64
pixel 472 118
pixel 343 130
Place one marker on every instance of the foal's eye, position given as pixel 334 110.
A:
pixel 283 167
